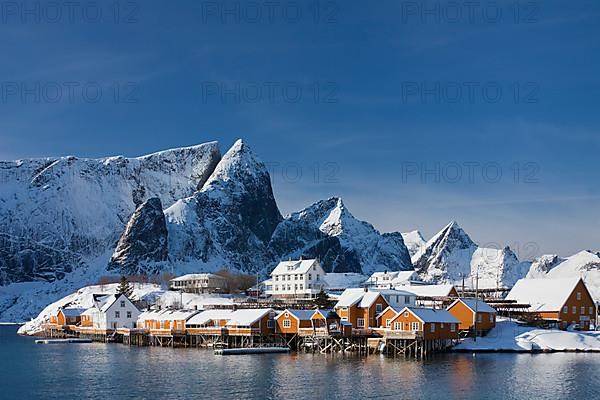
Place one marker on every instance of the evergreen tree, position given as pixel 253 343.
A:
pixel 322 300
pixel 125 288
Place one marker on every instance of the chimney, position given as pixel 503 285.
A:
pixel 195 307
pixel 300 258
pixel 366 288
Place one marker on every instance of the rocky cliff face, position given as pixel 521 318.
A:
pixel 55 212
pixel 229 222
pixel 144 242
pixel 329 231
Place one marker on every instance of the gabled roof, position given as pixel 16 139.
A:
pixel 189 277
pixel 430 290
pixel 428 315
pixel 378 276
pixel 358 296
pixel 247 317
pixel 293 267
pixel 395 310
pixel 72 312
pixel 543 294
pixel 327 313
pixel 205 317
pixel 300 315
pixel 482 306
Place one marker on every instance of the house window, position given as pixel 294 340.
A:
pixel 398 326
pixel 271 323
pixel 318 276
pixel 582 310
pixel 479 318
pixel 432 327
pixel 491 317
pixel 122 303
pixel 406 314
pixel 276 278
pixel 301 287
pixel 415 326
pixel 565 309
pixel 309 285
pixel 287 323
pixel 276 287
pixel 388 322
pixel 128 314
pixel 360 322
pixel 310 277
pixel 578 295
pixel 452 327
pixel 591 310
pixel 378 307
pixel 117 314
pixel 573 310
pixel 442 326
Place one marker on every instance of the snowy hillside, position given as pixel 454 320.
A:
pixel 451 255
pixel 414 241
pixel 585 264
pixel 56 211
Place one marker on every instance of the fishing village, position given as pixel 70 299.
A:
pixel 296 309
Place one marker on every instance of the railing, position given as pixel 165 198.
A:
pixel 391 334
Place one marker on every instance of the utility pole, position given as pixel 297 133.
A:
pixel 476 303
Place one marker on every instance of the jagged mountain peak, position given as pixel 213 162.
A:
pixel 414 241
pixel 238 164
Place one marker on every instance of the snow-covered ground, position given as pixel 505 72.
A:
pixel 83 298
pixel 344 280
pixel 510 336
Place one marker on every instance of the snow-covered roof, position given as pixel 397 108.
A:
pixel 190 277
pixel 73 312
pixel 379 276
pixel 205 317
pixel 302 315
pixel 431 315
pixel 247 317
pixel 103 303
pixel 166 315
pixel 404 276
pixel 543 294
pixel 357 295
pixel 482 306
pixel 430 290
pixel 293 267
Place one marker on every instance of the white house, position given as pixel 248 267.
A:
pixel 199 283
pixel 302 279
pixel 392 279
pixel 110 312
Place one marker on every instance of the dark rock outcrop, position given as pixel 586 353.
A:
pixel 144 241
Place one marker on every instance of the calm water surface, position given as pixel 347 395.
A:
pixel 101 371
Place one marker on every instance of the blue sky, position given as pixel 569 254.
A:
pixel 370 133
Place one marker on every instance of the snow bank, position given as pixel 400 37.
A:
pixel 510 336
pixel 142 291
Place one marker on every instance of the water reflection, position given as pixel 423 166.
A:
pixel 101 371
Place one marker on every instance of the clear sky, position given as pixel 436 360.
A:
pixel 415 113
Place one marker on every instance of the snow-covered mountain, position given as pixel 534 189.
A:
pixel 179 210
pixel 414 241
pixel 451 255
pixel 585 264
pixel 55 212
pixel 329 231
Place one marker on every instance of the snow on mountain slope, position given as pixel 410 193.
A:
pixel 542 265
pixel 329 231
pixel 231 219
pixel 585 264
pixel 413 241
pixel 451 255
pixel 56 211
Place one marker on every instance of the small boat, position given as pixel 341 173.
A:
pixel 62 341
pixel 251 350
